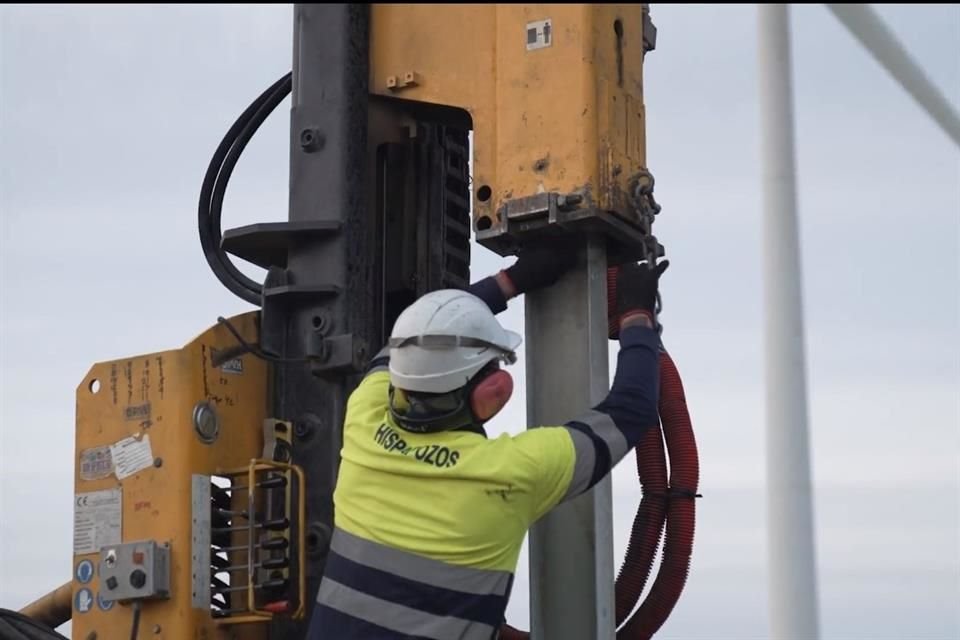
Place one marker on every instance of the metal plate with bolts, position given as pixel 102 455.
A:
pixel 553 215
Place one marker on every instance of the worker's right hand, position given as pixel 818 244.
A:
pixel 541 265
pixel 632 289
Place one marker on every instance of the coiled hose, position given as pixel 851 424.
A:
pixel 16 626
pixel 647 525
pixel 681 509
pixel 214 187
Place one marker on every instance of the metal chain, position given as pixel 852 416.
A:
pixel 646 209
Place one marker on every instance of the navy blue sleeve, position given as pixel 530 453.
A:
pixel 606 433
pixel 489 291
pixel 632 401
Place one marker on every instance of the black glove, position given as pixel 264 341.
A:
pixel 634 288
pixel 541 265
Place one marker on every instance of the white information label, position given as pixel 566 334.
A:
pixel 539 34
pixel 131 456
pixel 96 520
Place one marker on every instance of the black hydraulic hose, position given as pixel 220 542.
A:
pixel 135 625
pixel 233 156
pixel 10 632
pixel 215 183
pixel 209 239
pixel 16 626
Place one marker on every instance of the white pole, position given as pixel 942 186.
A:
pixel 867 27
pixel 792 570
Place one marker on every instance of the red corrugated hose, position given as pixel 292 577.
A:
pixel 681 510
pixel 647 524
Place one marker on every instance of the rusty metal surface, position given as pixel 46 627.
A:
pixel 565 117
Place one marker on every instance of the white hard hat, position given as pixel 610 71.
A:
pixel 444 338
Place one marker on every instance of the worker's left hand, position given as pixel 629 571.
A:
pixel 541 265
pixel 632 287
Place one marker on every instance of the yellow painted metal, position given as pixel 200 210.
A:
pixel 153 396
pixel 52 609
pixel 567 118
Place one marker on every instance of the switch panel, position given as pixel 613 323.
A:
pixel 135 571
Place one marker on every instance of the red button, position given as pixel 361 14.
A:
pixel 278 607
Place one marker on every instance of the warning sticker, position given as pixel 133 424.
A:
pixel 96 520
pixel 95 463
pixel 539 34
pixel 83 601
pixel 131 456
pixel 230 366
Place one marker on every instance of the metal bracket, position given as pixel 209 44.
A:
pixel 553 215
pixel 335 354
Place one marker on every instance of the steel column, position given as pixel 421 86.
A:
pixel 571 548
pixel 793 583
pixel 307 309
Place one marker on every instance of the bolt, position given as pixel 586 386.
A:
pixel 306 426
pixel 301 429
pixel 158 462
pixel 569 201
pixel 156 629
pixel 92 635
pixel 311 140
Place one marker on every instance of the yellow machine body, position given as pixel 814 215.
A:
pixel 554 95
pixel 554 92
pixel 138 455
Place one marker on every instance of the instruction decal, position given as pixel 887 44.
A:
pixel 95 463
pixel 84 572
pixel 97 519
pixel 234 365
pixel 131 456
pixel 539 34
pixel 137 412
pixel 105 605
pixel 83 601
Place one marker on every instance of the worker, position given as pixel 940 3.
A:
pixel 430 514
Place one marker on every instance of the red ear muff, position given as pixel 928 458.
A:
pixel 491 394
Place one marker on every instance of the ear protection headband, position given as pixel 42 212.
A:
pixel 476 403
pixel 489 393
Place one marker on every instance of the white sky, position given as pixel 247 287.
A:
pixel 109 115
